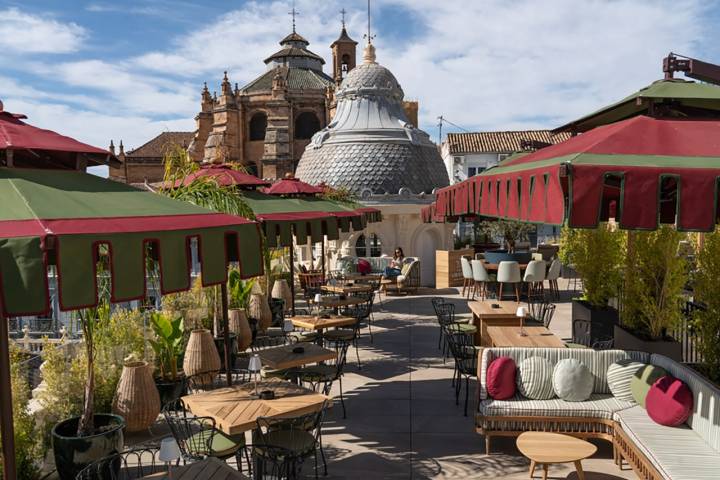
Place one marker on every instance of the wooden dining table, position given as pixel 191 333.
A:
pixel 210 468
pixel 337 302
pixel 346 289
pixel 536 336
pixel 236 409
pixel 359 277
pixel 281 358
pixel 320 322
pixel 486 315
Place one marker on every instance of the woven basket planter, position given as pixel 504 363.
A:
pixel 259 309
pixel 240 326
pixel 201 355
pixel 137 399
pixel 281 290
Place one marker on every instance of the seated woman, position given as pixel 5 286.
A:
pixel 394 269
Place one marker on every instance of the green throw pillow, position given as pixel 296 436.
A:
pixel 643 380
pixel 534 378
pixel 572 380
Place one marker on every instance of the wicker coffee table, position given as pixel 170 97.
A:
pixel 543 448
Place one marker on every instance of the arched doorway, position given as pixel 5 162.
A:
pixel 426 241
pixel 258 125
pixel 306 124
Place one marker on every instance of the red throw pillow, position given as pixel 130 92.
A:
pixel 500 378
pixel 669 401
pixel 363 267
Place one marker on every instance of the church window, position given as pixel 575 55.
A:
pixel 258 124
pixel 306 124
pixel 368 247
pixel 344 65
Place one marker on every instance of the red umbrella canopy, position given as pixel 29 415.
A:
pixel 225 176
pixel 292 186
pixel 32 146
pixel 649 170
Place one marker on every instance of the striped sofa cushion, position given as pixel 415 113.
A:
pixel 534 378
pixel 677 452
pixel 597 361
pixel 705 417
pixel 619 375
pixel 599 405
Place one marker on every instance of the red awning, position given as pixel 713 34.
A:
pixel 224 175
pixel 642 170
pixel 293 186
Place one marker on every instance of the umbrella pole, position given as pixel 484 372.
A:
pixel 292 277
pixel 6 414
pixel 226 329
pixel 322 253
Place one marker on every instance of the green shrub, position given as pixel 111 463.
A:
pixel 597 256
pixel 707 322
pixel 654 281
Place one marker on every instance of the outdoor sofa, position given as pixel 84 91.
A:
pixel 689 452
pixel 408 280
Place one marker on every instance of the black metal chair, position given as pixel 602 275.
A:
pixel 204 382
pixel 605 344
pixel 351 335
pixel 299 437
pixel 266 461
pixel 541 312
pixel 462 347
pixel 322 376
pixel 135 463
pixel 198 437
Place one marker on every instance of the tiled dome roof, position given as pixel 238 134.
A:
pixel 370 146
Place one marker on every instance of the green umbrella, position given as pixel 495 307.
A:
pixel 63 217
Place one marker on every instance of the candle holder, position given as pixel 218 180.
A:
pixel 254 367
pixel 522 313
pixel 169 452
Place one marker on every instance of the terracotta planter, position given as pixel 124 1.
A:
pixel 281 290
pixel 259 309
pixel 240 326
pixel 137 399
pixel 201 355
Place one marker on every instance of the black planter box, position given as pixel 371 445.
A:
pixel 590 324
pixel 627 340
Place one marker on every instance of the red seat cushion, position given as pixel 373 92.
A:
pixel 669 401
pixel 363 267
pixel 500 378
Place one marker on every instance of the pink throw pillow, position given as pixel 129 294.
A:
pixel 363 267
pixel 500 378
pixel 669 401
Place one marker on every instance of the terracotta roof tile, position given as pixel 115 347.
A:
pixel 499 142
pixel 157 146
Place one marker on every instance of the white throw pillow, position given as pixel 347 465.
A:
pixel 572 380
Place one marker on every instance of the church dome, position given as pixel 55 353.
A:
pixel 370 145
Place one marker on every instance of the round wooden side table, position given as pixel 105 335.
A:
pixel 544 448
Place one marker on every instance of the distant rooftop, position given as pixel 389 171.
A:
pixel 158 146
pixel 500 142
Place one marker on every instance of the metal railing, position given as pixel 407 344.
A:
pixel 687 335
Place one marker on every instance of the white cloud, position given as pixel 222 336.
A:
pixel 22 32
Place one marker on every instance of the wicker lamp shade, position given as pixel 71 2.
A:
pixel 201 354
pixel 137 399
pixel 259 309
pixel 240 326
pixel 281 290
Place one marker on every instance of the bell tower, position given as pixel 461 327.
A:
pixel 343 52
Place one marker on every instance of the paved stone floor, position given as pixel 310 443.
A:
pixel 402 421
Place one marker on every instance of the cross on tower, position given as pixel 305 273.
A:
pixel 343 12
pixel 294 13
pixel 368 34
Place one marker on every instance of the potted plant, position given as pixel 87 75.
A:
pixel 168 346
pixel 596 255
pixel 78 441
pixel 652 294
pixel 238 299
pixel 707 319
pixel 510 232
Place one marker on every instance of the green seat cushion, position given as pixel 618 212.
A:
pixel 317 372
pixel 222 446
pixel 575 345
pixel 305 336
pixel 270 373
pixel 642 380
pixel 461 327
pixel 340 334
pixel 297 441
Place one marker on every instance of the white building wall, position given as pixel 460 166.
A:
pixel 457 164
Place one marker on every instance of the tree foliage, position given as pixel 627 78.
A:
pixel 707 321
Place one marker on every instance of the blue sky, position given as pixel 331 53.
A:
pixel 129 70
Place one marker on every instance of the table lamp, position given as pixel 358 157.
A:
pixel 522 313
pixel 318 298
pixel 254 367
pixel 169 453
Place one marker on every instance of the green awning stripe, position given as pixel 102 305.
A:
pixel 23 276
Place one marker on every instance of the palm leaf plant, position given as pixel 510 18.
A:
pixel 239 290
pixel 168 343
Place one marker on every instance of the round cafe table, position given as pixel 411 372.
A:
pixel 544 448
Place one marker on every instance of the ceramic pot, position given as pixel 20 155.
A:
pixel 281 290
pixel 259 309
pixel 73 453
pixel 240 326
pixel 201 355
pixel 136 398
